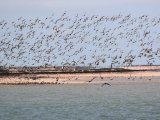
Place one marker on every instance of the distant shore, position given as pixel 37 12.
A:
pixel 109 78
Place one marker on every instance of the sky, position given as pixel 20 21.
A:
pixel 30 8
pixel 13 9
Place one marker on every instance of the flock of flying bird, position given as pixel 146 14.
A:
pixel 80 40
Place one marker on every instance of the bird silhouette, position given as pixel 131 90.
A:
pixel 105 84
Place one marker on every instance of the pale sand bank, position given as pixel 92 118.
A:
pixel 85 78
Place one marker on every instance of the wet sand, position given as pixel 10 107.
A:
pixel 136 77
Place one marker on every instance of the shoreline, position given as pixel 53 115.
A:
pixel 112 78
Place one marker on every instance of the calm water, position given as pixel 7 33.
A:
pixel 80 102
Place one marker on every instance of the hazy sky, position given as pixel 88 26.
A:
pixel 13 9
pixel 31 8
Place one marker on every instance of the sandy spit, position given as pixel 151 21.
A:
pixel 138 77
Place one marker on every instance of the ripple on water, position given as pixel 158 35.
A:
pixel 80 102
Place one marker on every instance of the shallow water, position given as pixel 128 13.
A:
pixel 80 102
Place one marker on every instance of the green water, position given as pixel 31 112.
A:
pixel 80 102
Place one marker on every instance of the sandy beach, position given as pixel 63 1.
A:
pixel 136 77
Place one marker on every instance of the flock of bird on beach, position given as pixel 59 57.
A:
pixel 80 40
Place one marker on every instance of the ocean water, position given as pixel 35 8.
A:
pixel 80 102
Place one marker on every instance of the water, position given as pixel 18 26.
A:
pixel 80 102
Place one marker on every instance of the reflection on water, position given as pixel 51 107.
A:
pixel 80 102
